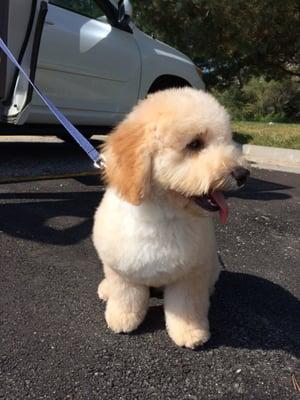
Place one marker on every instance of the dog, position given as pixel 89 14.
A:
pixel 167 164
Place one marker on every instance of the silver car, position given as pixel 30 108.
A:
pixel 87 56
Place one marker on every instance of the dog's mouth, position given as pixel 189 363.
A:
pixel 214 201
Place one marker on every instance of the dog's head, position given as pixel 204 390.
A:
pixel 179 142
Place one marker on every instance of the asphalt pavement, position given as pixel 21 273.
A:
pixel 54 341
pixel 34 157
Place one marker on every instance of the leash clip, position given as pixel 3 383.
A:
pixel 100 163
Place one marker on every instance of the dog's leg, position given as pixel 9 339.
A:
pixel 186 310
pixel 127 303
pixel 103 290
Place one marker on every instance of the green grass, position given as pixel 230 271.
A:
pixel 263 134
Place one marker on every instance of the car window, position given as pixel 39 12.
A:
pixel 88 8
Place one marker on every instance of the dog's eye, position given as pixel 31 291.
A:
pixel 196 145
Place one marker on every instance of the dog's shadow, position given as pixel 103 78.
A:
pixel 246 312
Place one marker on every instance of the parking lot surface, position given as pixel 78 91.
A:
pixel 54 340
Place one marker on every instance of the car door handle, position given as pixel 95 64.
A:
pixel 48 22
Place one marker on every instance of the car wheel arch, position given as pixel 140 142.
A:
pixel 167 82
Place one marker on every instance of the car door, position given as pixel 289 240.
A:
pixel 21 23
pixel 88 68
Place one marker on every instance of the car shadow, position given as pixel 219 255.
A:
pixel 53 218
pixel 247 312
pixel 27 215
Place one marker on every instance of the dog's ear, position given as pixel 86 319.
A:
pixel 127 156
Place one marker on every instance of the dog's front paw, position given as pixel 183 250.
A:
pixel 121 321
pixel 190 337
pixel 103 290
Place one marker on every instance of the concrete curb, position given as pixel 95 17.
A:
pixel 273 158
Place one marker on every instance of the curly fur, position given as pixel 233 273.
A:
pixel 148 231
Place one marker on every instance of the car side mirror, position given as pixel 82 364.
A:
pixel 124 12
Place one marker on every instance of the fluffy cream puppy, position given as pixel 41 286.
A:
pixel 167 164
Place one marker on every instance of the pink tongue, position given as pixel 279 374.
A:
pixel 219 198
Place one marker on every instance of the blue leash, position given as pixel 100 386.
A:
pixel 80 139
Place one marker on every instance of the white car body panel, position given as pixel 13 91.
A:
pixel 156 54
pixel 96 68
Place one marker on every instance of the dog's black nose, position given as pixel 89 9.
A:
pixel 240 174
